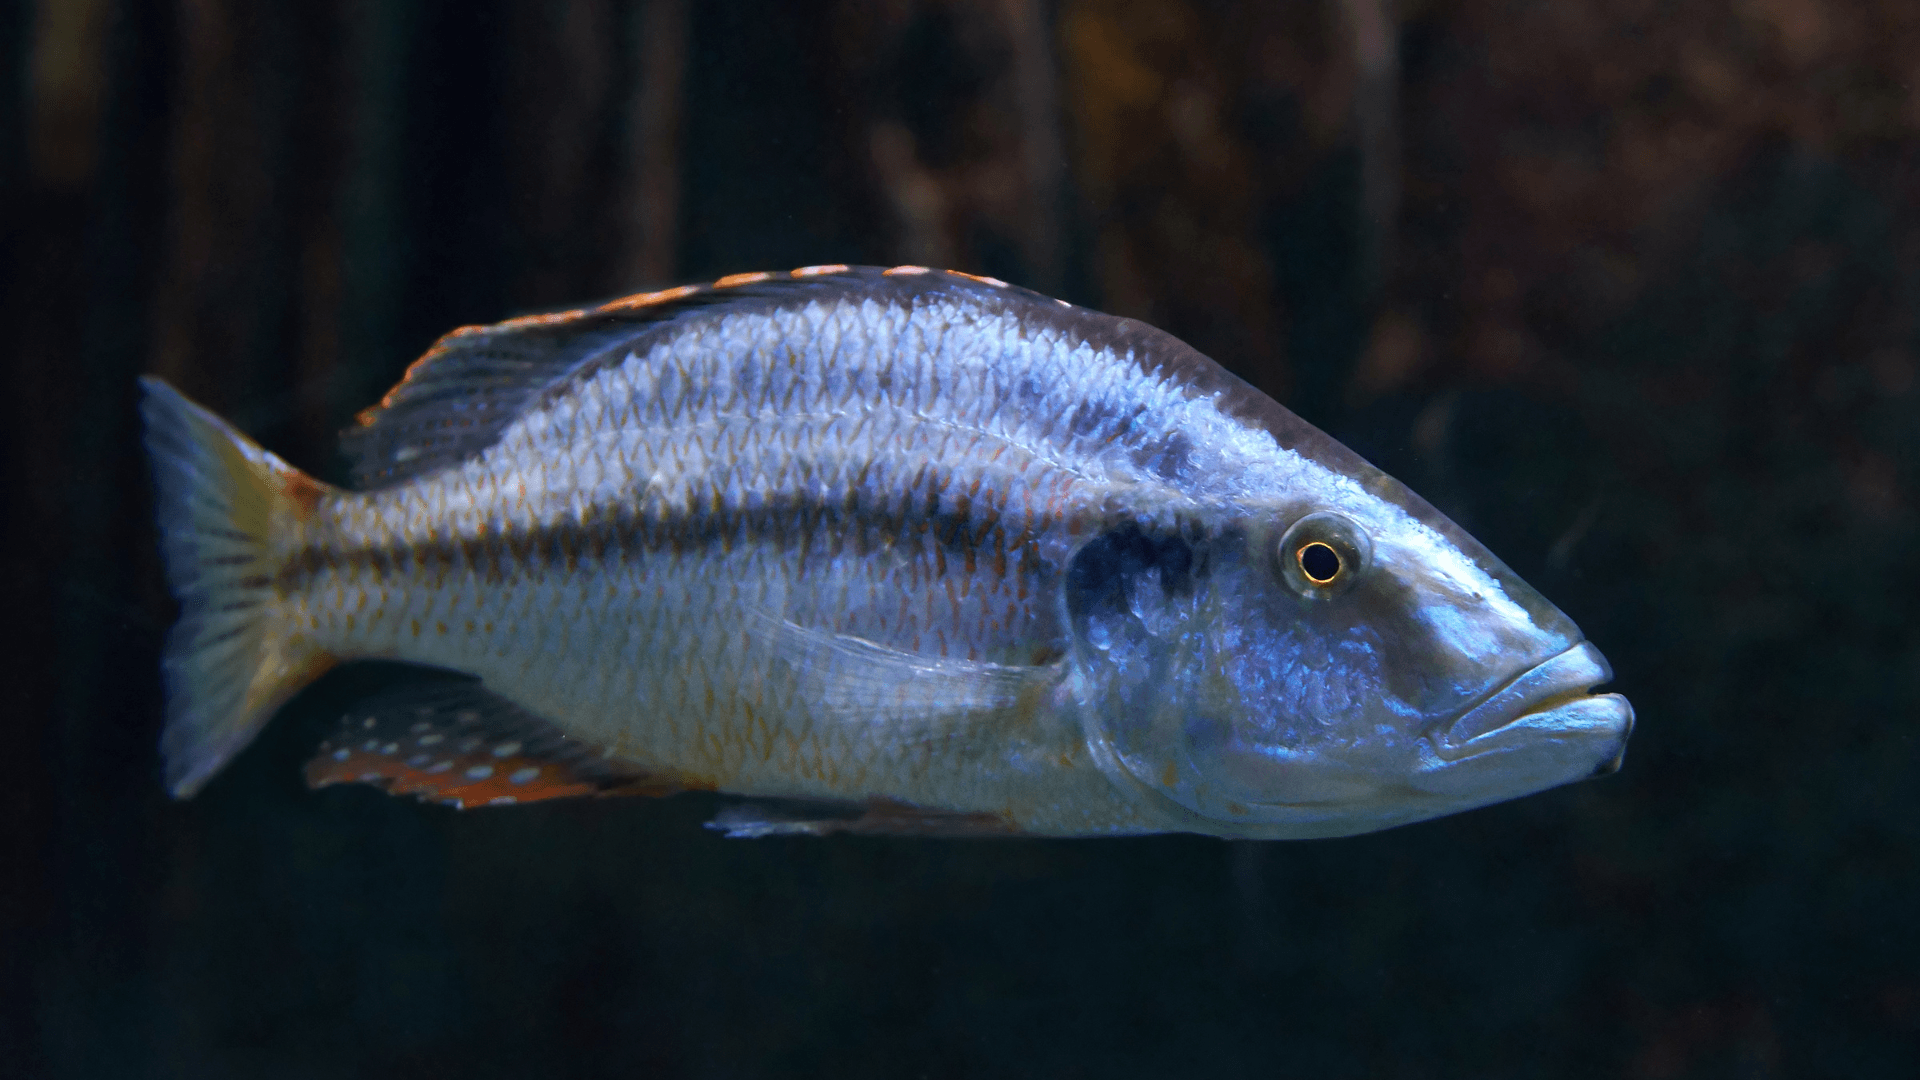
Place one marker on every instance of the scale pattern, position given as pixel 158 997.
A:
pixel 630 555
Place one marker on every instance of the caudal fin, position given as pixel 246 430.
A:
pixel 229 661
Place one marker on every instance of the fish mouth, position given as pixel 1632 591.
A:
pixel 1553 698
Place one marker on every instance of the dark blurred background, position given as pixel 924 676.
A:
pixel 1629 288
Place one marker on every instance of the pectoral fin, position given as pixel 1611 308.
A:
pixel 849 678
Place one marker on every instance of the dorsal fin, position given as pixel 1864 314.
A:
pixel 455 400
pixel 460 744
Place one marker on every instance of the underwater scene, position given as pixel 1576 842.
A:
pixel 948 538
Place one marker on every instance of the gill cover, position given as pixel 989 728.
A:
pixel 1298 672
pixel 1145 671
pixel 1205 673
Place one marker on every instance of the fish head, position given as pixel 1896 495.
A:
pixel 1328 665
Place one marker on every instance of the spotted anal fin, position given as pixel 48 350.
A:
pixel 758 818
pixel 458 743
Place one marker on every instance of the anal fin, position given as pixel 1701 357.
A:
pixel 460 744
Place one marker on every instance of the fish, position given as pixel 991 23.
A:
pixel 891 551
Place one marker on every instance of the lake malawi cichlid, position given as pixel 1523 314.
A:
pixel 885 551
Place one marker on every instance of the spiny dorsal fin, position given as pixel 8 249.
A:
pixel 460 744
pixel 456 399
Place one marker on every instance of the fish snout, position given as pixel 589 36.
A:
pixel 1612 764
pixel 1552 698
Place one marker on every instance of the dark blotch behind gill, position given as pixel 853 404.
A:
pixel 1101 572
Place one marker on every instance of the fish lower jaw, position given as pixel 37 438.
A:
pixel 1527 702
pixel 1577 714
pixel 1578 738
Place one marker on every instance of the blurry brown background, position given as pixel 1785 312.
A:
pixel 1629 288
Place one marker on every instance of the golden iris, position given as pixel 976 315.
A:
pixel 1320 563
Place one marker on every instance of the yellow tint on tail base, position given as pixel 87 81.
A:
pixel 229 662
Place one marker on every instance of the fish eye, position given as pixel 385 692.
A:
pixel 1322 554
pixel 1319 562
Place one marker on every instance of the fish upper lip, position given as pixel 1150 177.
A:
pixel 1561 678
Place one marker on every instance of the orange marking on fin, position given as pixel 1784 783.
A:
pixel 469 771
pixel 302 492
pixel 649 299
pixel 731 280
pixel 905 270
pixel 993 281
pixel 816 271
pixel 548 319
pixel 365 417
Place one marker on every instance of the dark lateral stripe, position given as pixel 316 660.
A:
pixel 966 537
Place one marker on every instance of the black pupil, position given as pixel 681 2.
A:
pixel 1320 562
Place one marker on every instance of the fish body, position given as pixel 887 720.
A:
pixel 906 551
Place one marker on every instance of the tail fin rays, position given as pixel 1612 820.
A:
pixel 228 663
